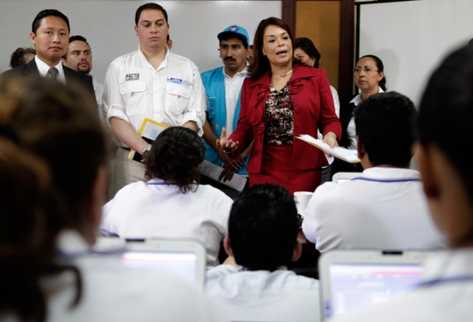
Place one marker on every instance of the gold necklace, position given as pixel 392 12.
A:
pixel 285 74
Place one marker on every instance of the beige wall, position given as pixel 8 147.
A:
pixel 320 21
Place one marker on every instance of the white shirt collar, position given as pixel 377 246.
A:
pixel 449 263
pixel 163 64
pixel 43 68
pixel 390 173
pixel 357 99
pixel 71 242
pixel 243 73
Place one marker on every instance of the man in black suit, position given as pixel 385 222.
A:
pixel 50 37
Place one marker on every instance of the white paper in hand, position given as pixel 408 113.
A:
pixel 344 154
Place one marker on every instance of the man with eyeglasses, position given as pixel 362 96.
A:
pixel 151 82
pixel 222 86
pixel 50 37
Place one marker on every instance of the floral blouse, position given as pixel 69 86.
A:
pixel 279 117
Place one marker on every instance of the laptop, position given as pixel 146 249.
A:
pixel 352 280
pixel 184 258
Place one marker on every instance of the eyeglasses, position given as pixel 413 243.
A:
pixel 366 69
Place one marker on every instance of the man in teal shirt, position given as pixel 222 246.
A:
pixel 222 86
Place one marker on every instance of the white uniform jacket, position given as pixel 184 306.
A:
pixel 383 208
pixel 155 209
pixel 241 295
pixel 172 94
pixel 445 296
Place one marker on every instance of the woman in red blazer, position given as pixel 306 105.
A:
pixel 279 102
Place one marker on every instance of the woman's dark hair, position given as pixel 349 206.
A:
pixel 60 125
pixel 28 232
pixel 18 56
pixel 380 66
pixel 260 63
pixel 175 156
pixel 309 48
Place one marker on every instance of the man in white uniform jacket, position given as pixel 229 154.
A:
pixel 253 283
pixel 383 207
pixel 447 290
pixel 150 82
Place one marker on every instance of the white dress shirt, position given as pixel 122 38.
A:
pixel 43 69
pixel 383 208
pixel 232 93
pixel 172 93
pixel 448 300
pixel 243 295
pixel 155 209
pixel 336 100
pixel 98 89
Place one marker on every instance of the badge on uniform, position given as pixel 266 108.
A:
pixel 132 77
pixel 175 80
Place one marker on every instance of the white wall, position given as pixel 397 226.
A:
pixel 412 37
pixel 108 25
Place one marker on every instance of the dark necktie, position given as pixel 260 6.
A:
pixel 52 73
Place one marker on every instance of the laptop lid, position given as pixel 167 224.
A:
pixel 184 258
pixel 352 280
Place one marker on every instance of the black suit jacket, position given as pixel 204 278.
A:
pixel 31 69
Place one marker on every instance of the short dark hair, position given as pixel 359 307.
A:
pixel 78 38
pixel 150 6
pixel 260 63
pixel 380 66
pixel 18 56
pixel 446 113
pixel 175 157
pixel 48 13
pixel 309 48
pixel 263 227
pixel 385 127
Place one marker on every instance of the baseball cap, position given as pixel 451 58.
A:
pixel 235 31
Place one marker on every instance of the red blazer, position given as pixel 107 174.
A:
pixel 313 109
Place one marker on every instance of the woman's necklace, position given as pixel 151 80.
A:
pixel 289 72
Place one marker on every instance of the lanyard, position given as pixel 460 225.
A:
pixel 445 280
pixel 386 180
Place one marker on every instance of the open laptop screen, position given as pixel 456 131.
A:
pixel 350 280
pixel 354 286
pixel 179 263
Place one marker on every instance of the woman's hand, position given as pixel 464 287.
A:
pixel 331 139
pixel 226 145
pixel 227 150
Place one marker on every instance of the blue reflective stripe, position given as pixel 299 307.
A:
pixel 157 183
pixel 445 280
pixel 386 180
